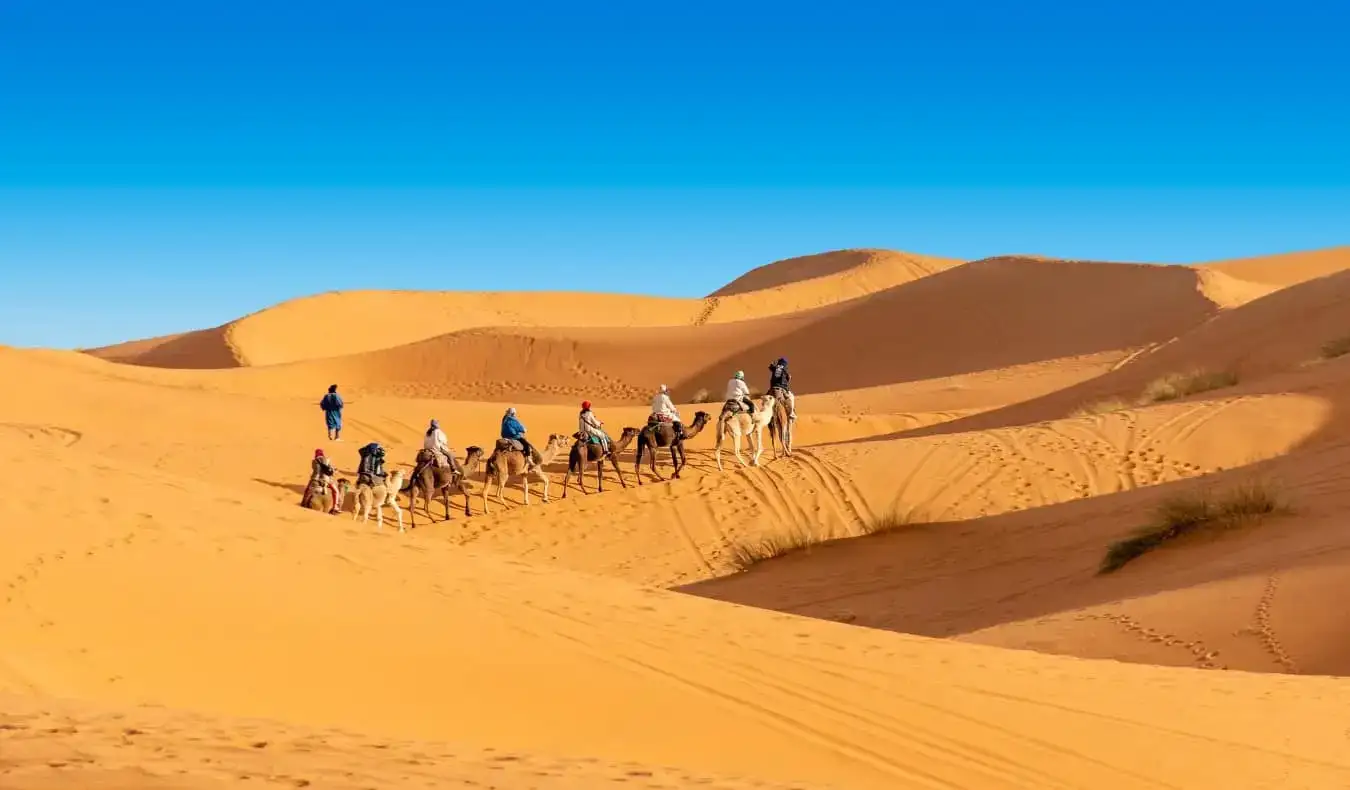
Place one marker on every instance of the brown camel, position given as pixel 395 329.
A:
pixel 577 465
pixel 429 479
pixel 319 497
pixel 506 461
pixel 780 427
pixel 662 434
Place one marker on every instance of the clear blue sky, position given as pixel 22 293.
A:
pixel 172 165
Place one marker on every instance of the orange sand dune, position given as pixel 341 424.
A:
pixel 481 652
pixel 1281 332
pixel 338 323
pixel 989 314
pixel 1284 270
pixel 154 555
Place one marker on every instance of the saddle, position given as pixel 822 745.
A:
pixel 507 445
pixel 658 419
pixel 733 407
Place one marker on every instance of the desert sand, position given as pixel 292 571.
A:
pixel 972 438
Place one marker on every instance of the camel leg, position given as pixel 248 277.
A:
pixel 600 474
pixel 445 500
pixel 398 511
pixel 736 446
pixel 544 477
pixel 613 459
pixel 637 463
pixel 379 512
pixel 525 484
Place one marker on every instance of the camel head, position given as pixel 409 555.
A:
pixel 343 485
pixel 700 419
pixel 473 455
pixel 628 435
pixel 558 441
pixel 395 481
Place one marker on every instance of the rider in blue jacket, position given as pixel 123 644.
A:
pixel 513 429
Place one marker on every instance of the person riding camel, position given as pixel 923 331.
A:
pixel 514 430
pixel 781 379
pixel 591 429
pixel 664 409
pixel 321 471
pixel 371 470
pixel 739 392
pixel 439 446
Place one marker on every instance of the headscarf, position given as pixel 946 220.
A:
pixel 585 405
pixel 511 412
pixel 663 388
pixel 318 453
pixel 740 374
pixel 332 388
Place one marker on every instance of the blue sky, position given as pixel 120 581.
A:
pixel 166 166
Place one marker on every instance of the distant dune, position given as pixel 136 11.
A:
pixel 912 599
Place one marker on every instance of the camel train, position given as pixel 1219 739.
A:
pixel 514 459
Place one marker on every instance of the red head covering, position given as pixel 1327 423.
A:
pixel 318 453
pixel 585 405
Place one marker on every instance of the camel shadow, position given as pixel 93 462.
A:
pixel 297 489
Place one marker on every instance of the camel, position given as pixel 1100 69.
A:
pixel 577 464
pixel 317 496
pixel 429 479
pixel 780 427
pixel 662 434
pixel 377 497
pixel 506 461
pixel 743 424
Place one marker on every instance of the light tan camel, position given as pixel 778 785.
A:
pixel 506 462
pixel 663 435
pixel 429 479
pixel 576 462
pixel 742 424
pixel 319 497
pixel 780 425
pixel 377 497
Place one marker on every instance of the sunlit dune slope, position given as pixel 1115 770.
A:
pixel 348 322
pixel 249 608
pixel 1284 270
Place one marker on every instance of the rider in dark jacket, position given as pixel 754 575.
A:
pixel 780 378
pixel 371 471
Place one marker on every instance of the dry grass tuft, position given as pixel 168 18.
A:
pixel 1187 514
pixel 1336 348
pixel 777 544
pixel 1180 385
pixel 745 554
pixel 1107 406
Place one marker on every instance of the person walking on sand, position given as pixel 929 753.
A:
pixel 331 403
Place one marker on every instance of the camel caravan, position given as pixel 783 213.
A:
pixel 437 473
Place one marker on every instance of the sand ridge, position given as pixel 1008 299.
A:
pixel 544 646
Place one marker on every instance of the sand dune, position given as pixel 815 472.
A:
pixel 1284 270
pixel 351 322
pixel 170 618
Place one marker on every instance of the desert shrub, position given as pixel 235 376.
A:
pixel 1187 514
pixel 1180 385
pixel 1336 348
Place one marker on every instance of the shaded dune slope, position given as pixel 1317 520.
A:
pixel 1280 332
